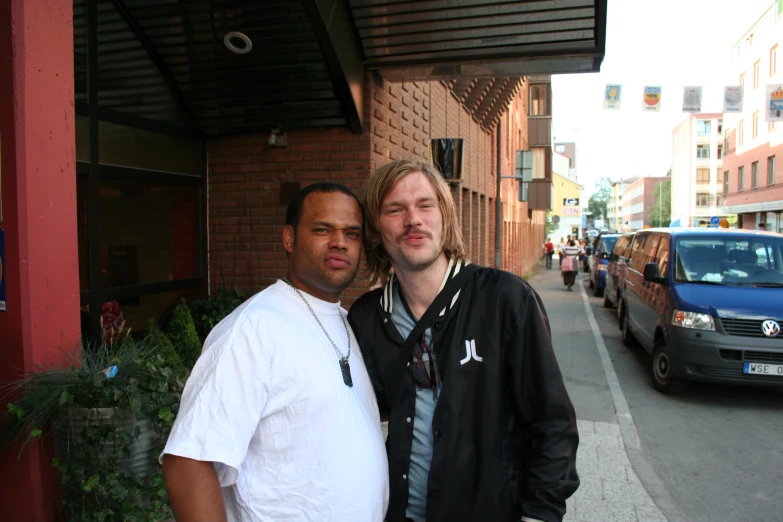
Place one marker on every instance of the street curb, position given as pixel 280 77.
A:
pixel 644 470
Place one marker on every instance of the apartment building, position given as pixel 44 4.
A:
pixel 697 170
pixel 614 209
pixel 568 149
pixel 567 199
pixel 639 199
pixel 753 184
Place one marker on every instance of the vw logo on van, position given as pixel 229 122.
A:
pixel 770 328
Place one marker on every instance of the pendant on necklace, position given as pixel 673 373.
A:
pixel 346 369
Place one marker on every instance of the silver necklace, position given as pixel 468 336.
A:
pixel 345 368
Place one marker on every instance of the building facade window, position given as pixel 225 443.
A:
pixel 702 199
pixel 720 126
pixel 741 179
pixel 756 74
pixel 741 133
pixel 703 151
pixel 754 175
pixel 703 127
pixel 771 166
pixel 539 99
pixel 742 82
pixel 719 200
pixel 755 125
pixel 702 175
pixel 773 61
pixel 725 184
pixel 720 151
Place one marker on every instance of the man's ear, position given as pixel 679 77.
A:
pixel 289 238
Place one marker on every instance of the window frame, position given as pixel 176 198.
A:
pixel 741 178
pixel 773 61
pixel 755 128
pixel 756 74
pixel 754 175
pixel 771 173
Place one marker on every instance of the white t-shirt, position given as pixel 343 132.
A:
pixel 266 402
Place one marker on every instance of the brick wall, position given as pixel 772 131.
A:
pixel 246 217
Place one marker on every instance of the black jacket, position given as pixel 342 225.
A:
pixel 504 429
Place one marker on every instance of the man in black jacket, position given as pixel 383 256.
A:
pixel 481 427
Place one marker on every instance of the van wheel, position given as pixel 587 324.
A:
pixel 627 335
pixel 662 379
pixel 607 302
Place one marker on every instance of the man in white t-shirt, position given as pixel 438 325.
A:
pixel 278 420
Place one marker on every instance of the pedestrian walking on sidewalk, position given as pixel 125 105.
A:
pixel 560 247
pixel 481 427
pixel 549 252
pixel 278 420
pixel 570 265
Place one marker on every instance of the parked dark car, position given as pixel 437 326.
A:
pixel 598 261
pixel 707 304
pixel 615 269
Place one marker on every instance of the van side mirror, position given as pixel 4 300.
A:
pixel 651 274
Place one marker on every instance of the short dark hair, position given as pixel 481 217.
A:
pixel 294 211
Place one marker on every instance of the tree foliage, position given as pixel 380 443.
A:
pixel 598 203
pixel 660 214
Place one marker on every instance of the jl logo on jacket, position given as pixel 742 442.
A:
pixel 470 352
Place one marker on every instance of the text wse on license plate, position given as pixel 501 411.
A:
pixel 763 369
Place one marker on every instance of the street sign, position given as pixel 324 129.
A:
pixel 571 202
pixel 714 221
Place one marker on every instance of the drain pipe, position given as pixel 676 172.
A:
pixel 498 203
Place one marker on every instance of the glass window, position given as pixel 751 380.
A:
pixel 138 148
pixel 720 126
pixel 754 175
pixel 729 260
pixel 662 256
pixel 771 167
pixel 703 127
pixel 720 151
pixel 741 132
pixel 136 312
pixel 82 233
pixel 741 179
pixel 702 199
pixel 149 232
pixel 82 125
pixel 773 61
pixel 539 99
pixel 703 151
pixel 756 73
pixel 719 200
pixel 756 124
pixel 637 253
pixel 702 175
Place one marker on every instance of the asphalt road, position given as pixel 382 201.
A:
pixel 717 449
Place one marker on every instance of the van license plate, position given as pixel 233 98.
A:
pixel 763 369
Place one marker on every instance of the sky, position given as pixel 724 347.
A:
pixel 671 43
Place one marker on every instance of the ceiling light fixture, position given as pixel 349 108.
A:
pixel 237 42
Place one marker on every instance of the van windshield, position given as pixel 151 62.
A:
pixel 730 260
pixel 607 244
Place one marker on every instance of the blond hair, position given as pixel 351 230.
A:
pixel 372 194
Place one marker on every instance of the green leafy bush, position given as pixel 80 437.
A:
pixel 183 335
pixel 210 310
pixel 126 385
pixel 158 339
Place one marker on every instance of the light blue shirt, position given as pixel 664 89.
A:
pixel 426 400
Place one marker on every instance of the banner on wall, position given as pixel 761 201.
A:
pixel 652 98
pixel 691 99
pixel 3 307
pixel 775 102
pixel 612 97
pixel 732 98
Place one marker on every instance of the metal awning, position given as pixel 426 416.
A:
pixel 168 61
pixel 446 39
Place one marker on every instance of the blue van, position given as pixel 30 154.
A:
pixel 707 304
pixel 599 259
pixel 615 270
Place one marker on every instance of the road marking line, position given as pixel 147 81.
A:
pixel 644 470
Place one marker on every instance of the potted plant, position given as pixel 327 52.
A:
pixel 109 413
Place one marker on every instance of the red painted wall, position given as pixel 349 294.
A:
pixel 39 218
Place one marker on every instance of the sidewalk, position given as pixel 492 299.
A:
pixel 610 489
